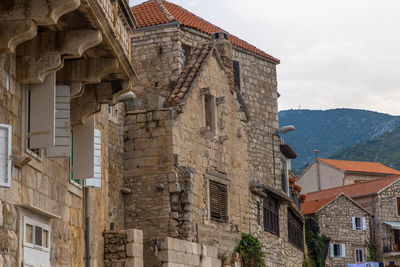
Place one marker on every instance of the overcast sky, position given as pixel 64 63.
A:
pixel 334 53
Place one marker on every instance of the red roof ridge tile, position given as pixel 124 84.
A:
pixel 360 166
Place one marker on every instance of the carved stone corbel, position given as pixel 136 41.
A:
pixel 85 71
pixel 19 19
pixel 44 54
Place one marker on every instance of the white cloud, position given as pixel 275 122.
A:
pixel 334 53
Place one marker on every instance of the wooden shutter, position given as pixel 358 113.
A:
pixel 96 180
pixel 332 249
pixel 5 155
pixel 342 250
pixel 236 73
pixel 398 206
pixel 62 146
pixel 218 201
pixel 353 220
pixel 83 149
pixel 363 224
pixel 42 114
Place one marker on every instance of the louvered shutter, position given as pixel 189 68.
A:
pixel 62 146
pixel 5 155
pixel 363 225
pixel 343 250
pixel 332 249
pixel 236 73
pixel 223 194
pixel 42 113
pixel 96 180
pixel 353 219
pixel 218 201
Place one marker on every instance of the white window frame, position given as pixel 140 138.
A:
pixel 7 179
pixel 362 221
pixel 342 250
pixel 362 254
pixel 34 223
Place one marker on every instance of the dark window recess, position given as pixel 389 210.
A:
pixel 218 201
pixel 271 215
pixel 283 175
pixel 209 110
pixel 236 73
pixel 38 236
pixel 398 206
pixel 295 230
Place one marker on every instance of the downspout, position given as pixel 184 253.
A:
pixel 373 219
pixel 318 173
pixel 87 233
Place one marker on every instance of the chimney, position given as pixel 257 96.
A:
pixel 224 48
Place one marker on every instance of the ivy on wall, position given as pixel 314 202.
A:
pixel 317 243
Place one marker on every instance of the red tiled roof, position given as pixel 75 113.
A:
pixel 354 190
pixel 150 13
pixel 360 166
pixel 310 207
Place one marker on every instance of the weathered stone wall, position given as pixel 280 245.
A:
pixel 123 248
pixel 279 251
pixel 45 183
pixel 259 91
pixel 148 165
pixel 335 221
pixel 157 58
pixel 386 211
pixel 176 252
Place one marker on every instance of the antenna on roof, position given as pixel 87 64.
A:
pixel 316 152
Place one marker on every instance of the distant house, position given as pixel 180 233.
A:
pixel 327 173
pixel 345 223
pixel 380 197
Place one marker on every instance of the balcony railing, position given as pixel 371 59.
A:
pixel 295 198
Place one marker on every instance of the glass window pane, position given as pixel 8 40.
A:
pixel 29 233
pixel 38 236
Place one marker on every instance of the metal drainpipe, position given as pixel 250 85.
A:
pixel 87 233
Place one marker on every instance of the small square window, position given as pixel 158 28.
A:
pixel 338 250
pixel 359 223
pixel 360 257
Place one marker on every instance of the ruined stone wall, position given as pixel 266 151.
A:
pixel 123 248
pixel 335 221
pixel 148 168
pixel 157 59
pixel 386 211
pixel 279 251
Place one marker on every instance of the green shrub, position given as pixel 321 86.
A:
pixel 250 250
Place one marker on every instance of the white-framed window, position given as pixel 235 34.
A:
pixel 36 242
pixel 5 154
pixel 359 223
pixel 360 255
pixel 337 250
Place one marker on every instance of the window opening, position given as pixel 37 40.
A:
pixel 218 201
pixel 295 228
pixel 271 215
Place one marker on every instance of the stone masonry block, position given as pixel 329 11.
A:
pixel 134 250
pixel 166 243
pixel 134 262
pixel 134 236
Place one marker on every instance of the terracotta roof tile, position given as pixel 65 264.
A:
pixel 310 207
pixel 354 190
pixel 360 166
pixel 149 13
pixel 189 74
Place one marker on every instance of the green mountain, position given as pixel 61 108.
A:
pixel 331 131
pixel 384 149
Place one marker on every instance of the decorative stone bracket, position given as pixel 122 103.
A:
pixel 19 19
pixel 45 54
pixel 93 95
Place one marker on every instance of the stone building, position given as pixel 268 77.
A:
pixel 61 63
pixel 345 223
pixel 202 160
pixel 327 173
pixel 381 199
